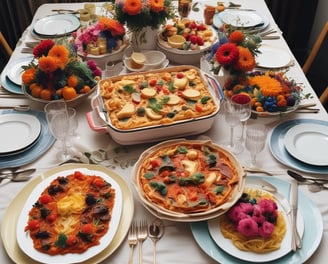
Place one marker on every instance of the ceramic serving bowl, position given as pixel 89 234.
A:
pixel 99 121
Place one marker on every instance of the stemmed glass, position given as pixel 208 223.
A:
pixel 255 140
pixel 243 105
pixel 184 8
pixel 233 119
pixel 58 122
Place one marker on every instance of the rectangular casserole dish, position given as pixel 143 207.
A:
pixel 99 118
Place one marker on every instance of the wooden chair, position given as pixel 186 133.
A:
pixel 315 49
pixel 5 45
pixel 324 96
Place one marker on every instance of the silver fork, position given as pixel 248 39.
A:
pixel 132 240
pixel 142 235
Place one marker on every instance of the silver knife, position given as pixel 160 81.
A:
pixel 294 206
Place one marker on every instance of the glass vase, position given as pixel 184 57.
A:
pixel 144 39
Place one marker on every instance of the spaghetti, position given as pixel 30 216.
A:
pixel 71 215
pixel 238 223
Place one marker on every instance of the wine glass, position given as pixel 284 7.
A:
pixel 232 118
pixel 243 105
pixel 255 140
pixel 58 122
pixel 184 8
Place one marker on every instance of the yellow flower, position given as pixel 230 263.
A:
pixel 268 86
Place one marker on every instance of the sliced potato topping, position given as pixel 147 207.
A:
pixel 180 83
pixel 123 83
pixel 192 154
pixel 127 111
pixel 190 166
pixel 148 92
pixel 191 94
pixel 211 178
pixel 173 99
pixel 152 115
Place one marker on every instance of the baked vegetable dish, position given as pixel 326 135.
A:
pixel 156 97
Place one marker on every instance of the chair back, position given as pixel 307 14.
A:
pixel 5 45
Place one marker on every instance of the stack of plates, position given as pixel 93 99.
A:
pixel 58 25
pixel 23 137
pixel 301 144
pixel 11 76
pixel 241 19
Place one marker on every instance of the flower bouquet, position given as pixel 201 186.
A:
pixel 104 36
pixel 139 15
pixel 57 72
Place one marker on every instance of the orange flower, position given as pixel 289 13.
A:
pixel 61 53
pixel 246 61
pixel 112 25
pixel 236 36
pixel 156 5
pixel 268 86
pixel 132 7
pixel 48 64
pixel 28 76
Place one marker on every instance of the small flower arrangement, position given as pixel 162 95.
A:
pixel 235 51
pixel 270 91
pixel 254 216
pixel 137 14
pixel 57 72
pixel 99 38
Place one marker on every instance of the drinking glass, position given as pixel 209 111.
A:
pixel 72 121
pixel 243 105
pixel 184 8
pixel 255 141
pixel 232 118
pixel 57 119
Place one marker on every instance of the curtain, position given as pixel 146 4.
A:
pixel 295 18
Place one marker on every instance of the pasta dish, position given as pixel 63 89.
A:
pixel 156 97
pixel 71 215
pixel 254 223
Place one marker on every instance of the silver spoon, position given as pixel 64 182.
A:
pixel 317 184
pixel 14 172
pixel 18 176
pixel 155 232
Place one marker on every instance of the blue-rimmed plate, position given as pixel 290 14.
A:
pixel 279 151
pixel 8 74
pixel 44 142
pixel 311 240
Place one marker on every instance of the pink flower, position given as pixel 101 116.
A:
pixel 259 219
pixel 235 214
pixel 97 72
pixel 257 210
pixel 248 227
pixel 247 208
pixel 266 229
pixel 268 206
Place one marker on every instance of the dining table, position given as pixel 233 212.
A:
pixel 183 241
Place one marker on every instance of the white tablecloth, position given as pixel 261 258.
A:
pixel 177 245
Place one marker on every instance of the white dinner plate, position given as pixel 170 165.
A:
pixel 279 151
pixel 241 18
pixel 18 132
pixel 272 57
pixel 60 24
pixel 25 242
pixel 313 230
pixel 227 245
pixel 15 72
pixel 308 143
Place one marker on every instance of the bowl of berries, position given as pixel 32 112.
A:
pixel 198 38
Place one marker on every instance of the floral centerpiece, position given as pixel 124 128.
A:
pixel 57 72
pixel 139 15
pixel 99 38
pixel 235 52
pixel 270 91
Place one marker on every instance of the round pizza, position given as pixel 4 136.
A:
pixel 188 177
pixel 72 214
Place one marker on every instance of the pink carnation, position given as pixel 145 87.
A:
pixel 267 205
pixel 235 214
pixel 266 229
pixel 247 208
pixel 248 227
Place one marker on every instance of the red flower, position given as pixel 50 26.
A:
pixel 43 48
pixel 227 54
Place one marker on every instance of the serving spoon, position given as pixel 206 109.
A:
pixel 155 232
